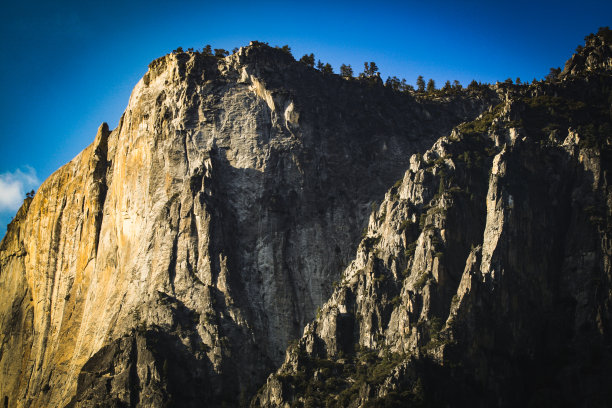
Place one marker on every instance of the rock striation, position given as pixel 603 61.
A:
pixel 171 262
pixel 484 276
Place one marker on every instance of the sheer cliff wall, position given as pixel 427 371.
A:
pixel 174 258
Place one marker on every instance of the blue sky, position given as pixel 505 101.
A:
pixel 68 66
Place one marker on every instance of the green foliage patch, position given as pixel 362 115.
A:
pixel 337 382
pixel 589 115
pixel 482 124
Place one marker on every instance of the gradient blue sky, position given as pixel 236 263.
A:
pixel 68 66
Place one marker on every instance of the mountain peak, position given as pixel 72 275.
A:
pixel 595 55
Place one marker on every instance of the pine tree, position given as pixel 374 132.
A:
pixel 220 53
pixel 370 69
pixel 393 83
pixel 346 71
pixel 553 74
pixel 285 48
pixel 308 60
pixel 420 83
pixel 431 86
pixel 405 87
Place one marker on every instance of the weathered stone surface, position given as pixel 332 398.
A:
pixel 484 277
pixel 211 221
pixel 596 55
pixel 47 262
pixel 172 261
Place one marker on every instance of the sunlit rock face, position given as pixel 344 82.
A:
pixel 258 232
pixel 172 261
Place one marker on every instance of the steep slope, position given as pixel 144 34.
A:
pixel 484 277
pixel 172 261
pixel 595 56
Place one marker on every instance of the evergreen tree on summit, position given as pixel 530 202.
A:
pixel 308 60
pixel 285 48
pixel 420 83
pixel 393 83
pixel 369 70
pixel 431 86
pixel 221 53
pixel 346 71
pixel 327 68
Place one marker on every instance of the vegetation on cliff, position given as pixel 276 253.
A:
pixel 173 261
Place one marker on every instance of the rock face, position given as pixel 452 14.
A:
pixel 595 56
pixel 171 262
pixel 484 277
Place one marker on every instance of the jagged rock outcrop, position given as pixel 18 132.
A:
pixel 596 55
pixel 484 276
pixel 173 259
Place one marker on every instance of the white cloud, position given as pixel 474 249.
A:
pixel 14 186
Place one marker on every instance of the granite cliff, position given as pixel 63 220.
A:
pixel 484 276
pixel 178 259
pixel 172 261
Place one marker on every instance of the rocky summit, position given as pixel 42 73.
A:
pixel 258 232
